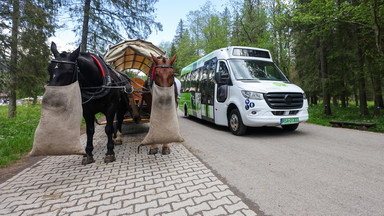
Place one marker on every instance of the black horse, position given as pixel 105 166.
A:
pixel 103 90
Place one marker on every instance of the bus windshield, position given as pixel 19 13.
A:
pixel 256 70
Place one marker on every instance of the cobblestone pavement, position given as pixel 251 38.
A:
pixel 136 184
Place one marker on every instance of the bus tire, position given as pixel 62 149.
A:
pixel 235 123
pixel 290 127
pixel 186 111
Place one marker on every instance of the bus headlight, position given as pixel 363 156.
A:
pixel 252 95
pixel 304 96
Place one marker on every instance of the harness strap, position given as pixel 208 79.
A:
pixel 153 70
pixel 98 63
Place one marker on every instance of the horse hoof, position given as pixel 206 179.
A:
pixel 87 160
pixel 109 158
pixel 118 142
pixel 166 151
pixel 153 151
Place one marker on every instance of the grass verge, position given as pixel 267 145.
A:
pixel 351 114
pixel 16 134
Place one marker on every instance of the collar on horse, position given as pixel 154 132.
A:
pixel 90 93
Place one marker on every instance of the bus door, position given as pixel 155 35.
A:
pixel 223 81
pixel 208 90
pixel 193 88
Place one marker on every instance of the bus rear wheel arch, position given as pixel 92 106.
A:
pixel 235 123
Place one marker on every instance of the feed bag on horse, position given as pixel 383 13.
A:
pixel 164 124
pixel 58 132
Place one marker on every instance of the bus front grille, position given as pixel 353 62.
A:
pixel 284 100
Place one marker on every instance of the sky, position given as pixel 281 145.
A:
pixel 168 13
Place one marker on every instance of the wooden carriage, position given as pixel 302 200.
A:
pixel 134 54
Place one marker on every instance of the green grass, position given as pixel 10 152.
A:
pixel 351 114
pixel 16 134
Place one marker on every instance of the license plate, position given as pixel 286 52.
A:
pixel 285 121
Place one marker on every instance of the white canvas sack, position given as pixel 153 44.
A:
pixel 164 123
pixel 58 132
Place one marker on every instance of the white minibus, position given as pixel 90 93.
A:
pixel 241 87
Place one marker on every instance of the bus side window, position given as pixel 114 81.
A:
pixel 224 73
pixel 204 84
pixel 188 82
pixel 211 84
pixel 222 87
pixel 182 80
pixel 198 79
pixel 194 80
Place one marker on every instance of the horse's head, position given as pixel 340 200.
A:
pixel 163 74
pixel 62 69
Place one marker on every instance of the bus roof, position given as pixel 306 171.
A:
pixel 231 52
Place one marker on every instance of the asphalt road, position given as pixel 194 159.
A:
pixel 314 170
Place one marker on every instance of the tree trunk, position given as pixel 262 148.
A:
pixel 335 101
pixel 361 81
pixel 377 90
pixel 343 101
pixel 13 62
pixel 360 68
pixel 84 35
pixel 324 78
pixel 315 99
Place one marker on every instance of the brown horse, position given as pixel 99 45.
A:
pixel 163 76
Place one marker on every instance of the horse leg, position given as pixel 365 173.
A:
pixel 153 150
pixel 90 127
pixel 110 156
pixel 166 150
pixel 120 118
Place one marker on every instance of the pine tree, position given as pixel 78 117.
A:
pixel 27 21
pixel 102 23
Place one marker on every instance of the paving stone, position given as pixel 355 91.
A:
pixel 135 184
pixel 104 208
pixel 169 200
pixel 214 212
pixel 87 212
pixel 196 208
pixel 183 204
pixel 146 205
pixel 122 211
pixel 181 212
pixel 156 196
pixel 235 207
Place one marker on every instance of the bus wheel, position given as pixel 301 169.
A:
pixel 236 125
pixel 290 127
pixel 185 111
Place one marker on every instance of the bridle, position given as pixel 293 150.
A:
pixel 165 66
pixel 75 74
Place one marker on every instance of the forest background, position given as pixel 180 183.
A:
pixel 333 49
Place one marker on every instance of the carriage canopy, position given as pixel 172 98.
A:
pixel 133 54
